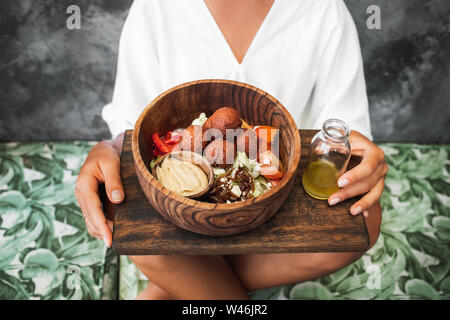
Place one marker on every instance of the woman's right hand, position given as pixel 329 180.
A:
pixel 102 165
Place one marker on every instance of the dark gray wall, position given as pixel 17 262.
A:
pixel 54 81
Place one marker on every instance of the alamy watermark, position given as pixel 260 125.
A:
pixel 374 279
pixel 373 22
pixel 73 281
pixel 73 21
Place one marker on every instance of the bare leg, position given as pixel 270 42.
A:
pixel 264 271
pixel 259 271
pixel 153 292
pixel 192 277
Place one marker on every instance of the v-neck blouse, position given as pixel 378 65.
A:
pixel 306 54
pixel 209 16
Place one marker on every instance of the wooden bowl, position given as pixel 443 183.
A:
pixel 194 158
pixel 176 108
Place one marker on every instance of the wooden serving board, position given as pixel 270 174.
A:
pixel 303 224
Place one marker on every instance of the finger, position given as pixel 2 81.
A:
pixel 110 224
pixel 357 188
pixel 89 226
pixel 368 200
pixel 113 183
pixel 80 199
pixel 366 168
pixel 83 210
pixel 91 201
pixel 91 229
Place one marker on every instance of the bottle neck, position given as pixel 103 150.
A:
pixel 336 130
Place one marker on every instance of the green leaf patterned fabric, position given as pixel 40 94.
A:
pixel 45 250
pixel 411 259
pixel 46 253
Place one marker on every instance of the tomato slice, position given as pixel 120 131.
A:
pixel 266 134
pixel 277 175
pixel 274 182
pixel 271 166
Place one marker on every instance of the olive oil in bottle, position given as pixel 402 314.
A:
pixel 328 159
pixel 320 179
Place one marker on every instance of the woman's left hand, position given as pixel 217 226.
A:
pixel 366 178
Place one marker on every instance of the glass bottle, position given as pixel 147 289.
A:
pixel 328 159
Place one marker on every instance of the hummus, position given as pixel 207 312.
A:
pixel 182 177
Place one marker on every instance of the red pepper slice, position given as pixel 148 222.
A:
pixel 157 152
pixel 176 135
pixel 167 136
pixel 172 137
pixel 160 144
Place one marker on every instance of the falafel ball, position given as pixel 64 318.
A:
pixel 192 139
pixel 223 119
pixel 247 141
pixel 220 153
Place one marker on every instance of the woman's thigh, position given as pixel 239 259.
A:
pixel 191 277
pixel 260 271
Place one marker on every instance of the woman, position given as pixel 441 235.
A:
pixel 305 53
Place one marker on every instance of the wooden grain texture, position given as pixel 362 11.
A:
pixel 176 108
pixel 302 224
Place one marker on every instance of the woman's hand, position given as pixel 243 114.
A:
pixel 101 166
pixel 368 177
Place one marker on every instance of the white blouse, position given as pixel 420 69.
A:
pixel 306 54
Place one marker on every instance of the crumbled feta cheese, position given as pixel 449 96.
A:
pixel 252 166
pixel 200 121
pixel 218 171
pixel 236 191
